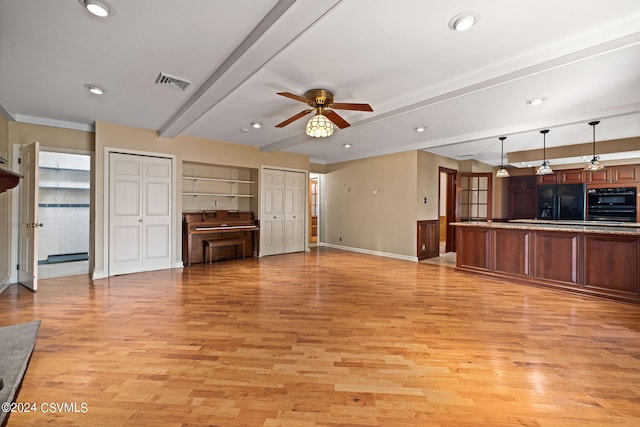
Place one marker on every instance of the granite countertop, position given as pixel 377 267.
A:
pixel 596 227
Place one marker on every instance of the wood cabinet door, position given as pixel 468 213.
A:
pixel 428 239
pixel 625 174
pixel 523 197
pixel 598 177
pixel 548 179
pixel 572 176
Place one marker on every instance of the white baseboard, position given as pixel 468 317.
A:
pixel 369 252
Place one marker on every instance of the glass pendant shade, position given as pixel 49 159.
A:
pixel 594 163
pixel 319 127
pixel 544 168
pixel 502 171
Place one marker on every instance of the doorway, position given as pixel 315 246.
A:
pixel 64 204
pixel 314 208
pixel 447 209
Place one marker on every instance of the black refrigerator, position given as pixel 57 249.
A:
pixel 562 201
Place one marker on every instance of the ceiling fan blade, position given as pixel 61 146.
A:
pixel 293 118
pixel 336 119
pixel 294 96
pixel 351 106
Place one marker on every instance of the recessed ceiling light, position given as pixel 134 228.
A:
pixel 536 101
pixel 463 21
pixel 244 130
pixel 256 125
pixel 347 145
pixel 94 89
pixel 97 7
pixel 420 128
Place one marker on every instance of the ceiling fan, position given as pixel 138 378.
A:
pixel 320 100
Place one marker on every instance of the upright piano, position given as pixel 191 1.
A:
pixel 213 225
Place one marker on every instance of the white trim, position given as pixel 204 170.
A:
pixel 21 118
pixel 369 252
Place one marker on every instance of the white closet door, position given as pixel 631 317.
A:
pixel 139 213
pixel 295 214
pixel 125 213
pixel 156 213
pixel 272 217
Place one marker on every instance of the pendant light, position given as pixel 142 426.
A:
pixel 502 172
pixel 594 164
pixel 544 168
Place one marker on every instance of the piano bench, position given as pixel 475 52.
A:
pixel 210 245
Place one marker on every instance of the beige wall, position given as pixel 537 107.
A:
pixel 184 148
pixel 358 218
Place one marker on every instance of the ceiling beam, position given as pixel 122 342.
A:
pixel 284 23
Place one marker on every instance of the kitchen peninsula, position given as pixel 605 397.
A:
pixel 594 258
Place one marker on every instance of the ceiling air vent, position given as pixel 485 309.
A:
pixel 165 79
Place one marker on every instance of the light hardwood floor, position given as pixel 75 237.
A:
pixel 326 338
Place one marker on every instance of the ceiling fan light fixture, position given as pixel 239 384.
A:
pixel 594 163
pixel 319 127
pixel 463 21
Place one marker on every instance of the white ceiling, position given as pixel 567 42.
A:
pixel 467 88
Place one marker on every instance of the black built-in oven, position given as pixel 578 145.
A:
pixel 612 204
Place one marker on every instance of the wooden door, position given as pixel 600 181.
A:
pixel 29 224
pixel 474 192
pixel 314 209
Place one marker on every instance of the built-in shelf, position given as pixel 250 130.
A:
pixel 218 194
pixel 200 178
pixel 209 186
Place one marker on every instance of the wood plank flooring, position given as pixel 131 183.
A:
pixel 326 338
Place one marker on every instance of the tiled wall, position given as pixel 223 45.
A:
pixel 64 204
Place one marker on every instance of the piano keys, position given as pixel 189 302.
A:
pixel 213 225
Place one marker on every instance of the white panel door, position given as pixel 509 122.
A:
pixel 125 213
pixel 295 214
pixel 140 213
pixel 272 212
pixel 29 225
pixel 156 213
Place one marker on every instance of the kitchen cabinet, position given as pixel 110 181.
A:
pixel 571 176
pixel 553 178
pixel 621 174
pixel 566 257
pixel 522 197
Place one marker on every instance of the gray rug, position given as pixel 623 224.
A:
pixel 16 345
